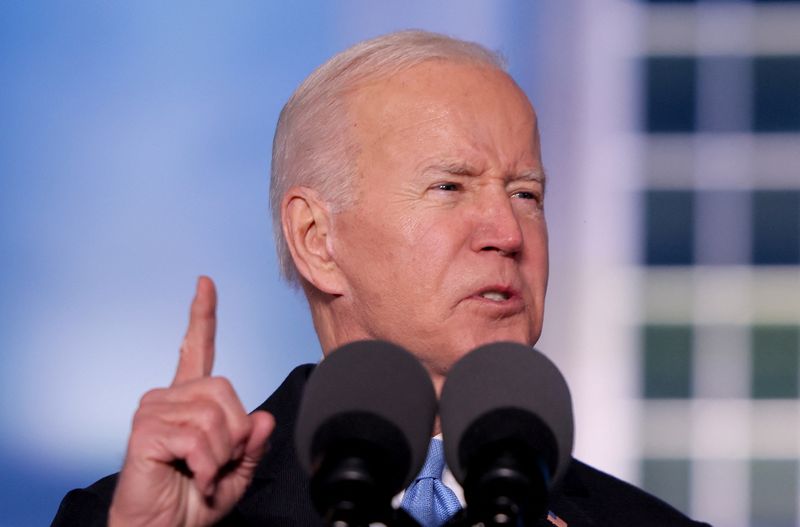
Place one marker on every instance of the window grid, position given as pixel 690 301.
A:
pixel 720 334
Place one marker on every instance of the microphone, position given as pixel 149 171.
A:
pixel 363 430
pixel 506 416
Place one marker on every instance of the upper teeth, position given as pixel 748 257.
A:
pixel 494 295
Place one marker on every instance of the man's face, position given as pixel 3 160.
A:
pixel 445 248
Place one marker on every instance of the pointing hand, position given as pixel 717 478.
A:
pixel 193 448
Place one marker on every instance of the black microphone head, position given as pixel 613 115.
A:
pixel 506 391
pixel 370 398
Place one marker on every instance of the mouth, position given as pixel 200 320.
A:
pixel 498 302
pixel 495 296
pixel 496 307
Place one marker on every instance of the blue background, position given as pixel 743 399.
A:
pixel 134 156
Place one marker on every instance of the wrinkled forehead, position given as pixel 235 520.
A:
pixel 448 109
pixel 437 82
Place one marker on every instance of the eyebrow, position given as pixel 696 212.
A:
pixel 539 176
pixel 457 168
pixel 462 168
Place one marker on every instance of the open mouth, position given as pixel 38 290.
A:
pixel 496 296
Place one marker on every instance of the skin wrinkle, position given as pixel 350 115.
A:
pixel 457 167
pixel 354 100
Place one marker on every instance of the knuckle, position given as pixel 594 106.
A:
pixel 140 420
pixel 144 418
pixel 137 436
pixel 221 386
pixel 151 396
pixel 142 432
pixel 155 396
pixel 195 441
pixel 210 415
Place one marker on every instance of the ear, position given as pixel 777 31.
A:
pixel 306 221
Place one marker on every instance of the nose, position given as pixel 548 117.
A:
pixel 497 227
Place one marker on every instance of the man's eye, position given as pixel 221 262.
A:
pixel 524 194
pixel 450 187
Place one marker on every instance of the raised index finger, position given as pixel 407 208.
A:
pixel 197 349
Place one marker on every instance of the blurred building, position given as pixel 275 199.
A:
pixel 720 259
pixel 674 305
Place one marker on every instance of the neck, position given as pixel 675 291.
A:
pixel 334 332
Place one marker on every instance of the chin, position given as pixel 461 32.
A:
pixel 520 336
pixel 464 346
pixel 438 357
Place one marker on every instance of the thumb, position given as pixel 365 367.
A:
pixel 257 444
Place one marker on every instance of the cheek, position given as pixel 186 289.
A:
pixel 536 257
pixel 382 259
pixel 431 248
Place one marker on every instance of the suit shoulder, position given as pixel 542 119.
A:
pixel 611 501
pixel 286 398
pixel 88 506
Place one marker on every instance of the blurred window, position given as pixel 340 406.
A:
pixel 776 226
pixel 667 361
pixel 773 492
pixel 671 98
pixel 775 361
pixel 669 227
pixel 669 479
pixel 719 119
pixel 776 94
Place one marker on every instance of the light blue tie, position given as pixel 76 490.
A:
pixel 429 500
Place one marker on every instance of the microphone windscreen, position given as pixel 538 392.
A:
pixel 359 384
pixel 506 376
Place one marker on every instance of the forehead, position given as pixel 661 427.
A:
pixel 468 112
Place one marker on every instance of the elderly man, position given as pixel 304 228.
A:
pixel 408 200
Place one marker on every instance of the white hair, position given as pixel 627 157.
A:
pixel 312 146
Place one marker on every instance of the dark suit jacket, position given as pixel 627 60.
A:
pixel 279 493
